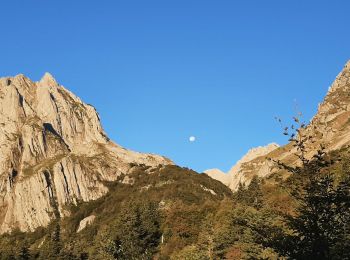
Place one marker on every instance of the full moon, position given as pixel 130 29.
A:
pixel 192 139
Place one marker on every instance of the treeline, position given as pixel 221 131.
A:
pixel 301 212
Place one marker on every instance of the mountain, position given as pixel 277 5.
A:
pixel 53 153
pixel 330 126
pixel 236 175
pixel 84 197
pixel 219 175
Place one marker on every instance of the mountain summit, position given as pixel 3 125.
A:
pixel 331 126
pixel 54 152
pixel 235 175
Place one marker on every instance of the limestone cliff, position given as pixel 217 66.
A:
pixel 235 175
pixel 330 126
pixel 53 152
pixel 219 175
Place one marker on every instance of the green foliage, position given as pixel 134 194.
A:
pixel 322 225
pixel 189 253
pixel 253 195
pixel 245 231
pixel 136 232
pixel 24 253
pixel 159 215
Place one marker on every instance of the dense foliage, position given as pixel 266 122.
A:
pixel 158 213
pixel 175 213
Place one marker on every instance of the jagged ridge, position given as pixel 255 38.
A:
pixel 53 152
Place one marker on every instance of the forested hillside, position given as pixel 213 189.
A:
pixel 174 213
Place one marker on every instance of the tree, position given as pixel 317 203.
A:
pixel 56 239
pixel 255 194
pixel 321 226
pixel 206 238
pixel 24 253
pixel 137 232
pixel 52 248
pixel 251 196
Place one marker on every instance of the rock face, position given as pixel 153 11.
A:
pixel 331 126
pixel 86 222
pixel 236 175
pixel 219 175
pixel 53 152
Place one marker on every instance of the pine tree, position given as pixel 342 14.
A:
pixel 24 253
pixel 255 194
pixel 137 232
pixel 56 239
pixel 251 196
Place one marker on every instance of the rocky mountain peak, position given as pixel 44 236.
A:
pixel 54 152
pixel 339 87
pixel 333 113
pixel 234 176
pixel 219 175
pixel 257 152
pixel 48 79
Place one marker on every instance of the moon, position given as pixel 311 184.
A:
pixel 192 139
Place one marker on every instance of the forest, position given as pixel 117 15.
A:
pixel 300 212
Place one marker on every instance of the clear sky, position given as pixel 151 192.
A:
pixel 161 71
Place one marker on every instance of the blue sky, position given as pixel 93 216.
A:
pixel 161 71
